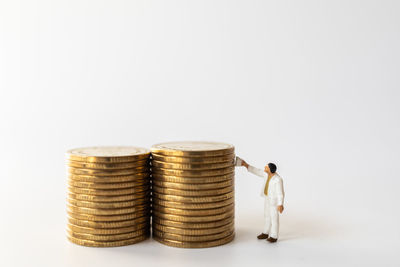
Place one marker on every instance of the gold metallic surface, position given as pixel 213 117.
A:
pixel 119 211
pixel 116 237
pixel 94 198
pixel 87 185
pixel 108 218
pixel 193 160
pixel 109 196
pixel 190 166
pixel 182 244
pixel 117 224
pixel 107 166
pixel 197 173
pixel 192 238
pixel 192 206
pixel 108 192
pixel 193 219
pixel 193 232
pixel 109 205
pixel 184 186
pixel 108 154
pixel 110 179
pixel 193 193
pixel 93 172
pixel 182 199
pixel 110 231
pixel 91 243
pixel 193 180
pixel 186 212
pixel 192 149
pixel 190 225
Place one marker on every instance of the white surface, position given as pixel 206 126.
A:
pixel 310 85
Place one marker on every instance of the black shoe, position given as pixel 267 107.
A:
pixel 272 240
pixel 262 236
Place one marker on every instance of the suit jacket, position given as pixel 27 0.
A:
pixel 276 193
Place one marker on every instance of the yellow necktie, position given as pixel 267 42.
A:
pixel 266 186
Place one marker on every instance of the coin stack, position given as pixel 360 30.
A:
pixel 193 194
pixel 108 200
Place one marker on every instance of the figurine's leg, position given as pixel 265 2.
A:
pixel 267 216
pixel 274 222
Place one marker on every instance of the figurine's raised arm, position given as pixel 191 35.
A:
pixel 256 171
pixel 253 170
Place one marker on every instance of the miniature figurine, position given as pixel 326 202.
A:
pixel 273 193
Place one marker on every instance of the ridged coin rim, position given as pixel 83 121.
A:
pixel 90 243
pixel 181 244
pixel 193 232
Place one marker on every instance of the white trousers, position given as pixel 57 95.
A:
pixel 271 217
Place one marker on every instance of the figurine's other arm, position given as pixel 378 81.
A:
pixel 280 195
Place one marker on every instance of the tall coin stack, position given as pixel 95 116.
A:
pixel 193 194
pixel 108 200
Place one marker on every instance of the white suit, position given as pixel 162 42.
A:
pixel 272 201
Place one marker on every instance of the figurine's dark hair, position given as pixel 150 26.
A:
pixel 272 167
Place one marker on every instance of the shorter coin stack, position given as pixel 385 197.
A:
pixel 108 200
pixel 193 194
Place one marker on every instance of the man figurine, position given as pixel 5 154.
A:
pixel 273 194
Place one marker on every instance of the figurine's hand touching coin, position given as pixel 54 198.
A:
pixel 280 208
pixel 244 163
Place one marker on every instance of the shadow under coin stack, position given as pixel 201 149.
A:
pixel 108 196
pixel 193 194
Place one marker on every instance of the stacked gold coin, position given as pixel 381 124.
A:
pixel 193 194
pixel 108 200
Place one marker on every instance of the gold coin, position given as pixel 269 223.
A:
pixel 185 244
pixel 118 224
pixel 107 166
pixel 117 237
pixel 74 183
pixel 193 193
pixel 120 211
pixel 191 238
pixel 111 179
pixel 193 160
pixel 190 225
pixel 93 172
pixel 193 219
pixel 192 206
pixel 190 173
pixel 108 218
pixel 190 166
pixel 110 231
pixel 192 149
pixel 108 192
pixel 91 243
pixel 193 232
pixel 193 199
pixel 108 154
pixel 109 205
pixel 183 186
pixel 191 180
pixel 186 212
pixel 86 197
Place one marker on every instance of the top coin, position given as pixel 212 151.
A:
pixel 108 154
pixel 193 149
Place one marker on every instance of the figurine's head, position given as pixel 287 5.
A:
pixel 270 168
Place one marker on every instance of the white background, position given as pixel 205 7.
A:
pixel 310 85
